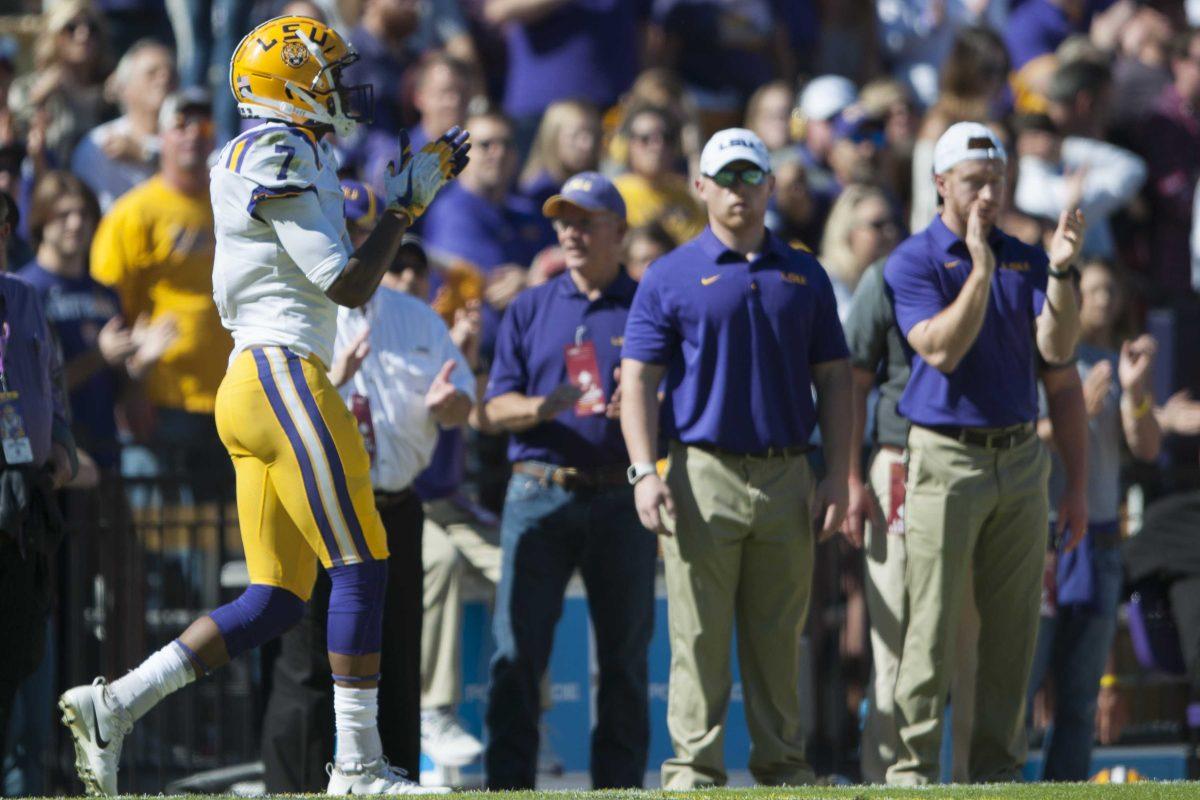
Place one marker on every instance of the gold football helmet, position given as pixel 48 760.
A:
pixel 290 69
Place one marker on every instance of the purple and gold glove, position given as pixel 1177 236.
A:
pixel 411 188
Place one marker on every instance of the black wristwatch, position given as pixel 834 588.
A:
pixel 1059 275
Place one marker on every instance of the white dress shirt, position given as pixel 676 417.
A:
pixel 409 345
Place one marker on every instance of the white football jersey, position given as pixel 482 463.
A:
pixel 268 293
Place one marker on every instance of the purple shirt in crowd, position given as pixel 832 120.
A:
pixel 382 67
pixel 1170 143
pixel 995 384
pixel 530 360
pixel 32 367
pixel 582 49
pixel 78 308
pixel 447 467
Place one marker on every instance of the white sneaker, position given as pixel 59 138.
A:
pixel 98 726
pixel 444 740
pixel 375 777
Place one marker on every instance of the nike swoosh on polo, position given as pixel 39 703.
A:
pixel 101 742
pixel 710 280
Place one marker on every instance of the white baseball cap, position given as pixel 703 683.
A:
pixel 966 141
pixel 734 144
pixel 826 96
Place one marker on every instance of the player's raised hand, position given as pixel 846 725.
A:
pixel 412 187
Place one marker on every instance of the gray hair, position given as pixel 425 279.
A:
pixel 123 74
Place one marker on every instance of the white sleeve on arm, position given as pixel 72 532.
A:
pixel 307 236
pixel 1114 175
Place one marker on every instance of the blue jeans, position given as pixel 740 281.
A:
pixel 1072 647
pixel 546 533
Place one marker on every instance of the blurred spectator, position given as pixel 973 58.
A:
pixel 917 35
pixel 861 230
pixel 443 26
pixel 1037 27
pixel 1057 173
pixel 859 148
pixel 206 34
pixel 795 213
pixel 13 249
pixel 972 86
pixel 662 88
pixel 118 155
pixel 560 49
pixel 479 220
pixel 723 50
pixel 820 105
pixel 129 21
pixel 385 51
pixel 1170 143
pixel 567 143
pixel 1074 641
pixel 555 385
pixel 891 101
pixel 769 114
pixel 156 248
pixel 67 86
pixel 652 187
pixel 442 88
pixel 643 245
pixel 39 457
pixel 1140 72
pixel 848 41
pixel 1079 96
pixel 99 350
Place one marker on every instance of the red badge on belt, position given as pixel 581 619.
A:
pixel 583 371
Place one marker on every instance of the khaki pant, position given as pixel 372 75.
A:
pixel 742 550
pixel 885 559
pixel 453 540
pixel 967 507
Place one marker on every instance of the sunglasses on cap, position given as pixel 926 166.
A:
pixel 751 176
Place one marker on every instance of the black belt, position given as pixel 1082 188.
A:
pixel 384 499
pixel 770 452
pixel 572 478
pixel 990 438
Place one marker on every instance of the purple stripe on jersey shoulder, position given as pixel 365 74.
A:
pixel 331 453
pixel 311 138
pixel 267 193
pixel 245 142
pixel 267 379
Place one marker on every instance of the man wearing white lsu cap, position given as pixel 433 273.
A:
pixel 977 307
pixel 743 327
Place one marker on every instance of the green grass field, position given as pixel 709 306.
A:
pixel 1146 790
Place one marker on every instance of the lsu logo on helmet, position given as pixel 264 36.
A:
pixel 290 69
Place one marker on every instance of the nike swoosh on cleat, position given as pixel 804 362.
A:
pixel 100 740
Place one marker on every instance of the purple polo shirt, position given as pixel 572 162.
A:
pixel 529 359
pixel 738 338
pixel 580 49
pixel 465 225
pixel 31 365
pixel 78 308
pixel 995 384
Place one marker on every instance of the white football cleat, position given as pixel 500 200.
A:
pixel 98 726
pixel 374 777
pixel 444 740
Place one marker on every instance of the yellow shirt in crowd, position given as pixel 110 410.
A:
pixel 155 248
pixel 669 201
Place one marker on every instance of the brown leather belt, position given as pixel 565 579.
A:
pixel 990 438
pixel 572 478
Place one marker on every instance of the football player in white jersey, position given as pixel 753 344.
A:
pixel 284 263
